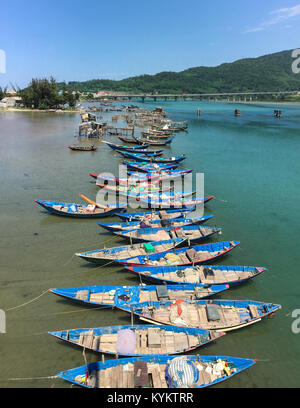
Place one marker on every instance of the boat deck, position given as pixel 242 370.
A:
pixel 198 316
pixel 151 375
pixel 148 341
pixel 199 275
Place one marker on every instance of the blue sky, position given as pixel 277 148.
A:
pixel 73 40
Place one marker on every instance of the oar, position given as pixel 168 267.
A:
pixel 93 202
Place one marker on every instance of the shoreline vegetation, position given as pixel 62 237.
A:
pixel 80 110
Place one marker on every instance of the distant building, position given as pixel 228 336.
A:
pixel 10 101
pixel 11 92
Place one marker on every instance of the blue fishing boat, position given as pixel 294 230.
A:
pixel 80 210
pixel 150 167
pixel 192 371
pixel 164 175
pixel 123 297
pixel 154 141
pixel 138 188
pixel 127 148
pixel 205 274
pixel 157 176
pixel 156 215
pixel 184 202
pixel 138 340
pixel 142 154
pixel 177 222
pixel 224 315
pixel 104 255
pixel 133 176
pixel 146 191
pixel 196 255
pixel 188 233
pixel 139 157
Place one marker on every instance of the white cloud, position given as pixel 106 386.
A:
pixel 278 16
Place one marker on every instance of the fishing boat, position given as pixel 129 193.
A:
pixel 138 188
pixel 196 255
pixel 177 222
pixel 172 126
pixel 114 254
pixel 156 215
pixel 157 176
pixel 83 148
pixel 192 371
pixel 142 158
pixel 157 134
pixel 138 340
pixel 224 315
pixel 150 167
pixel 129 140
pixel 125 148
pixel 175 202
pixel 134 176
pixel 204 274
pixel 144 154
pixel 147 190
pixel 123 297
pixel 190 233
pixel 155 142
pixel 80 210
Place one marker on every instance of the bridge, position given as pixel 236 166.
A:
pixel 229 96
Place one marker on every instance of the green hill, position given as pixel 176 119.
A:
pixel 267 73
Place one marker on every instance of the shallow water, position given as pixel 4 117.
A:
pixel 251 165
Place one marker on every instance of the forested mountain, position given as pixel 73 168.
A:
pixel 271 72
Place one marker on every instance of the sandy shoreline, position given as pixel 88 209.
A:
pixel 39 110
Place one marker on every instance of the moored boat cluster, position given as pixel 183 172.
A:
pixel 163 246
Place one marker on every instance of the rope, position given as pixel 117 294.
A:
pixel 30 378
pixel 101 266
pixel 30 301
pixel 69 260
pixel 77 311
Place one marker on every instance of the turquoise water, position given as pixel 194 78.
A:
pixel 251 165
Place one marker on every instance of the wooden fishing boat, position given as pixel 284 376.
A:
pixel 205 274
pixel 134 177
pixel 174 203
pixel 192 371
pixel 189 233
pixel 136 188
pixel 83 148
pixel 224 315
pixel 157 134
pixel 172 126
pixel 155 142
pixel 165 175
pixel 144 154
pixel 123 297
pixel 142 158
pixel 157 175
pixel 126 148
pixel 156 215
pixel 150 167
pixel 138 340
pixel 127 251
pixel 196 255
pixel 177 222
pixel 80 210
pixel 147 191
pixel 130 140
